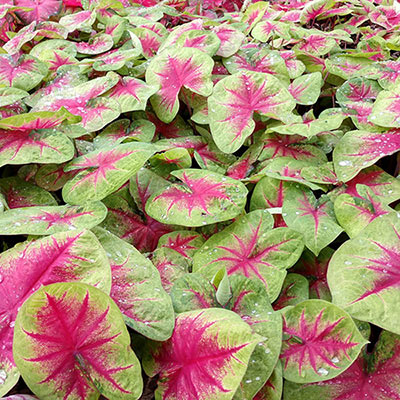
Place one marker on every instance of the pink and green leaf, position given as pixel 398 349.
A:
pixel 206 356
pixel 131 94
pixel 272 390
pixel 19 193
pixel 42 220
pixel 174 69
pixel 231 39
pixel 38 10
pixel 103 171
pixel 363 273
pixel 251 302
pixel 62 257
pixel 206 41
pixel 235 99
pixel 320 341
pixel 373 375
pixel 249 247
pixel 314 219
pixel 314 269
pixel 355 213
pixel 136 289
pixel 171 266
pixel 294 146
pixel 202 198
pixel 294 291
pixel 70 338
pixel 306 88
pixel 360 149
pixel 22 72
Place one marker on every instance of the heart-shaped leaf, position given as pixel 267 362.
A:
pixel 363 276
pixel 249 247
pixel 62 257
pixel 136 289
pixel 234 101
pixel 320 341
pixel 48 220
pixel 202 198
pixel 206 356
pixel 104 170
pixel 71 342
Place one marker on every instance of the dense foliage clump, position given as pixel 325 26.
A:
pixel 199 200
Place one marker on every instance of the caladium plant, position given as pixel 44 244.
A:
pixel 212 184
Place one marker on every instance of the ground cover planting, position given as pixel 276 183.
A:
pixel 199 200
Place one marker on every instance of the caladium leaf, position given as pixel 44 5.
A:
pixel 20 397
pixel 23 72
pixel 288 169
pixel 266 29
pixel 171 71
pixel 253 59
pixel 250 301
pixel 316 44
pixel 234 101
pixel 171 266
pixel 373 375
pixel 149 40
pixel 25 35
pixel 39 10
pixel 166 162
pixel 97 44
pixel 386 109
pixel 294 146
pixel 61 257
pixel 202 198
pixel 294 291
pixel 314 269
pixel 83 100
pixel 324 174
pixel 70 339
pixel 193 292
pixel 347 67
pixel 30 138
pixel 381 183
pixel 114 60
pixel 272 390
pixel 328 120
pixel 314 219
pixel 387 73
pixel 52 177
pixel 360 149
pixel 362 274
pixel 206 356
pixel 19 193
pixel 81 21
pixel 206 41
pixel 320 341
pixel 359 90
pixel 123 130
pixel 48 220
pixel 306 88
pixel 248 247
pixel 143 233
pixel 103 171
pixel 186 243
pixel 231 39
pixel 269 193
pixel 355 213
pixel 136 289
pixel 131 94
pixel 10 95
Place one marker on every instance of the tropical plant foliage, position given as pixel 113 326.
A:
pixel 199 199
